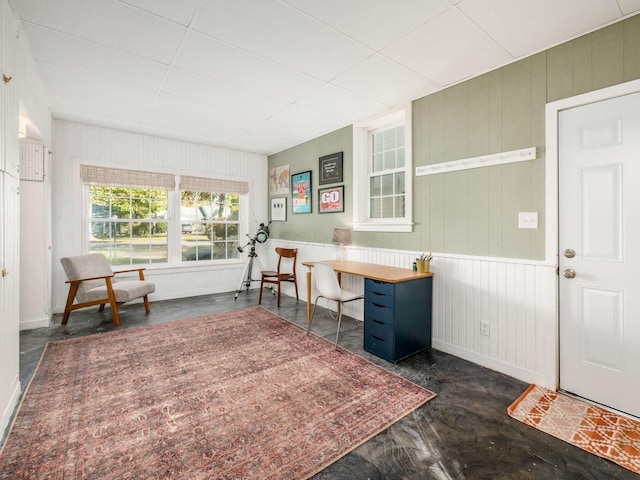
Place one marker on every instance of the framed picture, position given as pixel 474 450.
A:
pixel 279 180
pixel 331 199
pixel 301 192
pixel 279 209
pixel 331 169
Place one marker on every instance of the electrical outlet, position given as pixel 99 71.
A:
pixel 484 328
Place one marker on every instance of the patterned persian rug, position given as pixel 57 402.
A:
pixel 243 394
pixel 594 429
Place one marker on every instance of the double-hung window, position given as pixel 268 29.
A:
pixel 127 214
pixel 136 217
pixel 382 173
pixel 210 218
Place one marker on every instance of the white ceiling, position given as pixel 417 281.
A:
pixel 264 75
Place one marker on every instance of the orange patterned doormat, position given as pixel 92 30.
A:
pixel 594 429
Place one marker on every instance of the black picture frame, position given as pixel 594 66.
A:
pixel 330 169
pixel 331 199
pixel 301 192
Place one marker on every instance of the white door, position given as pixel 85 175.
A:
pixel 599 249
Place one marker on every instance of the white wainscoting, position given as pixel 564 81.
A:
pixel 516 298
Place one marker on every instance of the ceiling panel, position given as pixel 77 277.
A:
pixel 181 12
pixel 232 97
pixel 385 81
pixel 448 49
pixel 375 23
pixel 209 57
pixel 341 103
pixel 523 26
pixel 73 81
pixel 108 22
pixel 70 52
pixel 280 33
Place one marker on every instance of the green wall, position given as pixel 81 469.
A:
pixel 475 212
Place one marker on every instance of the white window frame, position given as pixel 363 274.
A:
pixel 362 220
pixel 173 221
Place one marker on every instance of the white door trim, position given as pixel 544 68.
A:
pixel 551 184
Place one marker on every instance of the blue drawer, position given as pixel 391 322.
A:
pixel 380 313
pixel 379 346
pixel 379 298
pixel 376 286
pixel 379 329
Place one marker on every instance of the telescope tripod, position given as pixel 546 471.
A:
pixel 247 277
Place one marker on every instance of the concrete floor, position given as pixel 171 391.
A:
pixel 463 433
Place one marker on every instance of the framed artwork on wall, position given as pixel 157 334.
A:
pixel 279 180
pixel 279 209
pixel 330 169
pixel 331 199
pixel 301 192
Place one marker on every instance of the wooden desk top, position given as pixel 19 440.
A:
pixel 381 273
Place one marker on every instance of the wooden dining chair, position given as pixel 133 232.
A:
pixel 282 273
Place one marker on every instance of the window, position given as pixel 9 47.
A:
pixel 382 172
pixel 128 225
pixel 142 217
pixel 210 223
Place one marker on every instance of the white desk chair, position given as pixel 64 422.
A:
pixel 328 287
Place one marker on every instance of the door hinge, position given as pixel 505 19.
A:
pixel 5 272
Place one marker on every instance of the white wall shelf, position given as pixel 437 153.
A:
pixel 512 156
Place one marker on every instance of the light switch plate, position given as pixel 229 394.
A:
pixel 528 220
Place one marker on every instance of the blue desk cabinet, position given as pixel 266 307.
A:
pixel 397 317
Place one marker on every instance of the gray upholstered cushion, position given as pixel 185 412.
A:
pixel 124 291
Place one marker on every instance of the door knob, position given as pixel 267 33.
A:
pixel 569 253
pixel 569 273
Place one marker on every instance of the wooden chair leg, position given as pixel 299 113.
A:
pixel 295 284
pixel 112 303
pixel 101 309
pixel 73 288
pixel 147 307
pixel 278 291
pixel 261 285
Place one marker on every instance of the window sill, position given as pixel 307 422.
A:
pixel 383 227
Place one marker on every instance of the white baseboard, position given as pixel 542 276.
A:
pixel 11 406
pixel 492 363
pixel 34 323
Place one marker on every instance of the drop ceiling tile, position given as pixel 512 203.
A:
pixel 385 81
pixel 231 97
pixel 202 112
pixel 283 34
pixel 81 83
pixel 72 106
pixel 448 49
pixel 181 12
pixel 209 57
pixel 523 26
pixel 629 6
pixel 73 53
pixel 341 103
pixel 376 23
pixel 108 22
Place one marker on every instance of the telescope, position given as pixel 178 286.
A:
pixel 261 236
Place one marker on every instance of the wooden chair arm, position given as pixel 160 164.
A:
pixel 140 271
pixel 90 278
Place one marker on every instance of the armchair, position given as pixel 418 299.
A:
pixel 92 282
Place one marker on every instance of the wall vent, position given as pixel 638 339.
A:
pixel 31 161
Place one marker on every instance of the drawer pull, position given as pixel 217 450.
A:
pixel 378 338
pixel 378 322
pixel 378 305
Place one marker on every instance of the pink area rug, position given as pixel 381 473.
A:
pixel 594 429
pixel 239 395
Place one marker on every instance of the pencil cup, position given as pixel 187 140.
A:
pixel 423 266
